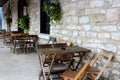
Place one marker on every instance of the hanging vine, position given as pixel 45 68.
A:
pixel 53 10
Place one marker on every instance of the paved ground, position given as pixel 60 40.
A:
pixel 18 66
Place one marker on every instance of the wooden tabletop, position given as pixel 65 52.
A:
pixel 60 51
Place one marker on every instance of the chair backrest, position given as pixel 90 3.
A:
pixel 44 46
pixel 63 41
pixel 51 40
pixel 100 62
pixel 83 69
pixel 60 45
pixel 63 59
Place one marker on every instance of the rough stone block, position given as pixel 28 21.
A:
pixel 116 3
pixel 115 65
pixel 75 33
pixel 115 36
pixel 84 19
pixel 116 72
pixel 96 28
pixel 95 11
pixel 96 3
pixel 89 45
pixel 91 34
pixel 109 47
pixel 98 17
pixel 109 28
pixel 82 34
pixel 74 20
pixel 104 35
pixel 79 41
pixel 86 27
pixel 82 4
pixel 110 16
pixel 88 11
pixel 64 32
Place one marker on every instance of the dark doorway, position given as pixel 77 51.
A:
pixel 44 20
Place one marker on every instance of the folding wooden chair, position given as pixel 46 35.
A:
pixel 55 63
pixel 99 64
pixel 76 75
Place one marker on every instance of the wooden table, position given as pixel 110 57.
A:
pixel 45 51
pixel 24 41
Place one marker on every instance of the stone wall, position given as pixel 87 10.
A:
pixel 92 24
pixel 14 14
pixel 34 13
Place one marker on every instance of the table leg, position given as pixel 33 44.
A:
pixel 81 55
pixel 51 66
pixel 42 72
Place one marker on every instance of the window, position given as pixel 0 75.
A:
pixel 44 20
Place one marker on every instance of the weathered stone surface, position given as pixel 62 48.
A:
pixel 83 20
pixel 82 34
pixel 88 11
pixel 75 33
pixel 104 35
pixel 116 72
pixel 116 3
pixel 91 34
pixel 82 4
pixel 115 65
pixel 116 36
pixel 98 18
pixel 86 27
pixel 110 16
pixel 95 11
pixel 117 57
pixel 109 47
pixel 109 28
pixel 96 3
pixel 96 28
pixel 74 20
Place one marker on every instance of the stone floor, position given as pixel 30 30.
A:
pixel 18 66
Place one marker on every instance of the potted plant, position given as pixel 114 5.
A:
pixel 23 23
pixel 53 10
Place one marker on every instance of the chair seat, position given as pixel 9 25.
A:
pixel 69 74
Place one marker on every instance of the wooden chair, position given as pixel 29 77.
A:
pixel 99 64
pixel 76 75
pixel 31 42
pixel 67 42
pixel 2 32
pixel 51 40
pixel 49 56
pixel 18 42
pixel 56 62
pixel 7 38
pixel 61 62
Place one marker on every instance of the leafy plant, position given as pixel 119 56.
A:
pixel 23 22
pixel 8 21
pixel 52 9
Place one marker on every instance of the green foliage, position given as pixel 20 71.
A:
pixel 8 21
pixel 53 10
pixel 23 22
